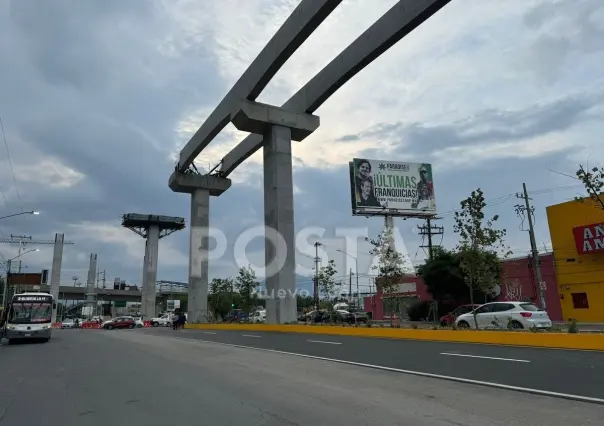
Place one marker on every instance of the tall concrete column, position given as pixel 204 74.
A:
pixel 279 217
pixel 143 300
pixel 55 276
pixel 279 128
pixel 90 292
pixel 198 256
pixel 150 271
pixel 200 187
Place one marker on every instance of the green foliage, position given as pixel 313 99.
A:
pixel 390 262
pixel 572 327
pixel 221 297
pixel 480 244
pixel 326 277
pixel 247 284
pixel 443 275
pixel 593 180
pixel 419 311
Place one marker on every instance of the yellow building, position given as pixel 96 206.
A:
pixel 577 233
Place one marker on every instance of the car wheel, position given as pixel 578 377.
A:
pixel 517 325
pixel 155 324
pixel 109 327
pixel 131 326
pixel 139 326
pixel 45 340
pixel 463 324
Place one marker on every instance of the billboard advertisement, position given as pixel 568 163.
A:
pixel 391 188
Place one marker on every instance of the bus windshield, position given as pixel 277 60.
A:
pixel 29 313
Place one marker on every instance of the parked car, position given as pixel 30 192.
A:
pixel 517 315
pixel 119 322
pixel 359 316
pixel 139 322
pixel 68 323
pixel 450 318
pixel 164 321
pixel 236 315
pixel 258 317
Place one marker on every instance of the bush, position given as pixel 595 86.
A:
pixel 419 310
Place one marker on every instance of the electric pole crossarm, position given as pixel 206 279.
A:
pixel 13 241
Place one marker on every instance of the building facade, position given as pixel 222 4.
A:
pixel 577 234
pixel 518 282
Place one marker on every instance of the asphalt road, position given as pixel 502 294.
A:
pixel 130 377
pixel 579 373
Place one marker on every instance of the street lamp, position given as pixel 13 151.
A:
pixel 19 214
pixel 8 274
pixel 356 267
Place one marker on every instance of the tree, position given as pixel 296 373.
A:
pixel 246 284
pixel 479 245
pixel 326 280
pixel 593 181
pixel 390 266
pixel 221 297
pixel 443 276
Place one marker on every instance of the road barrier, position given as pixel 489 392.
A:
pixel 580 341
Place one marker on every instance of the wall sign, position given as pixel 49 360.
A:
pixel 589 238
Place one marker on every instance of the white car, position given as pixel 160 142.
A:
pixel 163 321
pixel 139 322
pixel 503 315
pixel 258 317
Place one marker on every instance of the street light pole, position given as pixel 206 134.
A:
pixel 356 267
pixel 19 214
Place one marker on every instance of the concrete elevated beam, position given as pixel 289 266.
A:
pixel 295 30
pixel 255 117
pixel 400 20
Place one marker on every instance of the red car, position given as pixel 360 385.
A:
pixel 120 322
pixel 449 319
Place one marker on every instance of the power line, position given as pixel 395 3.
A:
pixel 10 162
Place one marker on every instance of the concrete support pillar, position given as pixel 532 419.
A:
pixel 279 222
pixel 198 256
pixel 55 276
pixel 200 187
pixel 143 300
pixel 150 271
pixel 279 127
pixel 90 291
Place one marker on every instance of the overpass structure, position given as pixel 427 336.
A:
pixel 82 293
pixel 273 129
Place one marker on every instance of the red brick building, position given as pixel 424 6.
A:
pixel 518 282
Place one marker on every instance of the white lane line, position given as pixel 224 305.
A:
pixel 209 332
pixel 250 335
pixel 485 357
pixel 416 373
pixel 325 342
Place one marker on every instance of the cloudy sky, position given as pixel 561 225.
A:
pixel 98 97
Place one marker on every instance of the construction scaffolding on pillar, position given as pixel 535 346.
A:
pixel 152 228
pixel 201 187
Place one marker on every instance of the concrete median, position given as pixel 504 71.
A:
pixel 579 341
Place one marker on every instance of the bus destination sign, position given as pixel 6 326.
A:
pixel 32 299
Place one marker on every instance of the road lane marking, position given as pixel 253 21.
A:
pixel 485 357
pixel 250 335
pixel 416 373
pixel 209 332
pixel 325 342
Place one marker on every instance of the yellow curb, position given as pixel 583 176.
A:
pixel 594 342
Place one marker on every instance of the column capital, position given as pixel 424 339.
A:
pixel 256 117
pixel 189 182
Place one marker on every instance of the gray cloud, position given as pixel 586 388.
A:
pixel 489 126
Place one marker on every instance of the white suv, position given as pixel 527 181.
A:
pixel 502 315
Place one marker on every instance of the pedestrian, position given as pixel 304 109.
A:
pixel 182 320
pixel 175 319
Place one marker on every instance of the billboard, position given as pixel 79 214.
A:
pixel 391 188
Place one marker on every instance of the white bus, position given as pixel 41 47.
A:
pixel 29 317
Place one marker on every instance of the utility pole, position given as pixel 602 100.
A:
pixel 316 284
pixel 350 286
pixel 6 284
pixel 534 251
pixel 429 230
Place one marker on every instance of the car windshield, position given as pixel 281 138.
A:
pixel 530 307
pixel 27 313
